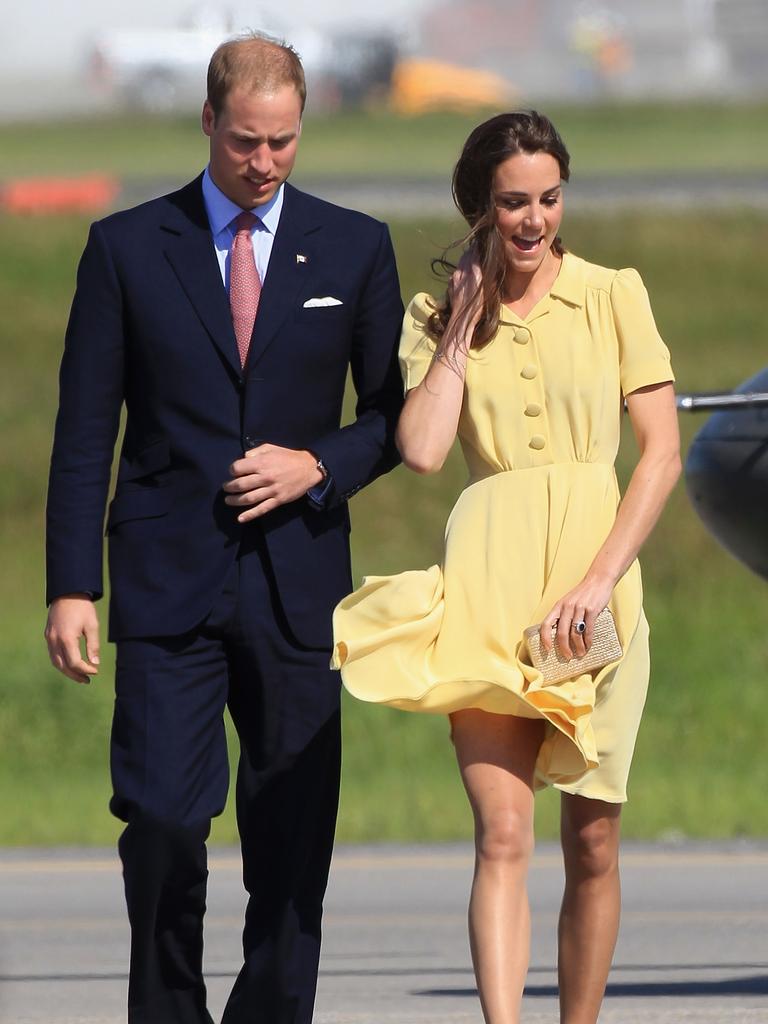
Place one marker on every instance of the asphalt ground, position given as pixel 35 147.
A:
pixel 419 198
pixel 693 944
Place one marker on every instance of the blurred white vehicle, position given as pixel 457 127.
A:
pixel 163 70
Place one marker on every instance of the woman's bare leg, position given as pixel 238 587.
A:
pixel 589 918
pixel 496 755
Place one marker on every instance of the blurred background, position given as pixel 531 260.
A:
pixel 664 107
pixel 106 56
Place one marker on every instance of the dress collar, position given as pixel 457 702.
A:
pixel 570 283
pixel 222 211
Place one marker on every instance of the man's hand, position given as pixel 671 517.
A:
pixel 269 476
pixel 69 618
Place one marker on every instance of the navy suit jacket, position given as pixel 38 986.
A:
pixel 151 330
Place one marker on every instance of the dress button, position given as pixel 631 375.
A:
pixel 532 409
pixel 537 442
pixel 522 335
pixel 529 371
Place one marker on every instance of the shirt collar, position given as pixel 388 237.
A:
pixel 570 283
pixel 222 211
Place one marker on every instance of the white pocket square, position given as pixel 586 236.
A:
pixel 326 300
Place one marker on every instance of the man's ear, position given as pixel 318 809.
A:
pixel 208 119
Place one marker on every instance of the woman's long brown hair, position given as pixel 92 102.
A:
pixel 490 144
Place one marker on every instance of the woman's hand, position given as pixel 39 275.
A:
pixel 582 604
pixel 465 292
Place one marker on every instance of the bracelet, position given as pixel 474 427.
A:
pixel 319 464
pixel 441 356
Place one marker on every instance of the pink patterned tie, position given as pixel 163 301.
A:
pixel 244 283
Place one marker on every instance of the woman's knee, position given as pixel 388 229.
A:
pixel 504 836
pixel 592 847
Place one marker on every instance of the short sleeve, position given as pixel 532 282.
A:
pixel 416 346
pixel 643 356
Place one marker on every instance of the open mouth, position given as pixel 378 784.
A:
pixel 527 244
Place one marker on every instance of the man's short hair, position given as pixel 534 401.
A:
pixel 257 63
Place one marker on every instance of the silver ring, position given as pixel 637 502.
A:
pixel 579 627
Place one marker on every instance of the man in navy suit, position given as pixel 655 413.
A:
pixel 228 530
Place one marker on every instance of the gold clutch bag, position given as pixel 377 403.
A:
pixel 554 668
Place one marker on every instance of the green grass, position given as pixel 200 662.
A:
pixel 602 139
pixel 700 767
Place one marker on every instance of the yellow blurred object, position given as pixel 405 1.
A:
pixel 419 85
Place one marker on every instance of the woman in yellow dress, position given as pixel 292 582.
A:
pixel 527 358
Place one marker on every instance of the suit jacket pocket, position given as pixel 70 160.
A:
pixel 318 316
pixel 138 503
pixel 152 458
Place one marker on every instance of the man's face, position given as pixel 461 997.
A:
pixel 253 143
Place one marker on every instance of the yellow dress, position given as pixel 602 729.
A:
pixel 539 429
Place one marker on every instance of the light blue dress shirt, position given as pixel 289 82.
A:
pixel 221 213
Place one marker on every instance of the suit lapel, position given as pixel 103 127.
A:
pixel 188 246
pixel 287 270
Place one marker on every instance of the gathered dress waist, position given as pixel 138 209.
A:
pixel 479 474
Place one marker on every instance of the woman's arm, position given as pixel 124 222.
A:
pixel 654 421
pixel 428 423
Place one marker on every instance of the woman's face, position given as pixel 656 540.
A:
pixel 527 195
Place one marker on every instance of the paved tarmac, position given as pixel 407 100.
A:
pixel 693 945
pixel 392 197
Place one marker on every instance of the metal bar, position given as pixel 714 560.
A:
pixel 728 400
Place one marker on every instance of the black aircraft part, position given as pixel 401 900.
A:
pixel 727 478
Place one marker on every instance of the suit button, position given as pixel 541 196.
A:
pixel 529 371
pixel 522 335
pixel 533 409
pixel 252 442
pixel 537 442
